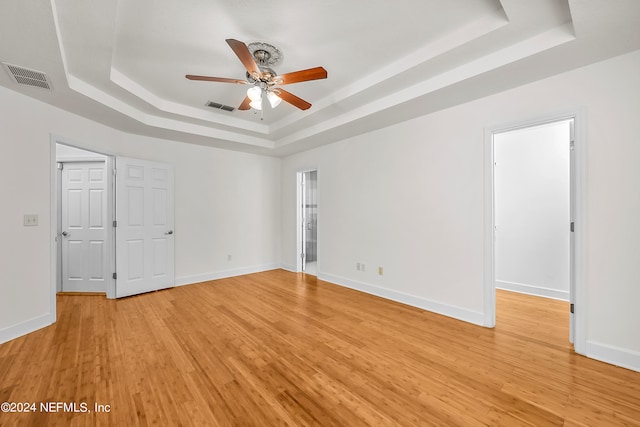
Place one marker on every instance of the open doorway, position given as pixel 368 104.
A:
pixel 533 206
pixel 307 235
pixel 532 209
pixel 84 215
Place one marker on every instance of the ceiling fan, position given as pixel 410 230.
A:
pixel 263 79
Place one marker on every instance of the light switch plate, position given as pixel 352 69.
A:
pixel 30 220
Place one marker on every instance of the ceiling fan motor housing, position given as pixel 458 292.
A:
pixel 266 78
pixel 265 54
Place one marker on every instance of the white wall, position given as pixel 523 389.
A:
pixel 410 198
pixel 532 210
pixel 226 203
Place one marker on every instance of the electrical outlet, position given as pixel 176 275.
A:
pixel 30 220
pixel 229 257
pixel 380 271
pixel 358 266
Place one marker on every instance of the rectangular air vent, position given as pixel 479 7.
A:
pixel 27 77
pixel 219 106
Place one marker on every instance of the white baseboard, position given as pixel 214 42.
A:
pixel 614 355
pixel 24 328
pixel 289 267
pixel 533 290
pixel 474 317
pixel 197 278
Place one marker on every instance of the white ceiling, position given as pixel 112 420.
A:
pixel 123 62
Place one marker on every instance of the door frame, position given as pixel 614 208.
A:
pixel 110 168
pixel 299 212
pixel 578 184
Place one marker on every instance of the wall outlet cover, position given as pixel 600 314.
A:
pixel 30 220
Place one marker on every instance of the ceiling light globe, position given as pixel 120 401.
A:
pixel 255 94
pixel 274 99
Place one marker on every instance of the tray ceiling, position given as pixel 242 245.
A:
pixel 123 63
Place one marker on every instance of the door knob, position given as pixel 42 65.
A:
pixel 64 233
pixel 169 232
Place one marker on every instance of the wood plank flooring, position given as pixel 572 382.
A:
pixel 278 348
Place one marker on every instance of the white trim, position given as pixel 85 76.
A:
pixel 614 355
pixel 58 229
pixel 53 230
pixel 110 165
pixel 197 278
pixel 538 291
pixel 24 328
pixel 463 314
pixel 580 315
pixel 298 226
pixel 580 234
pixel 489 237
pixel 288 267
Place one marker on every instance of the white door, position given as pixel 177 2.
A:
pixel 144 232
pixel 84 227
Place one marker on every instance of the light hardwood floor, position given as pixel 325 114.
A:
pixel 279 348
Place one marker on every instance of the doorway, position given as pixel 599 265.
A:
pixel 307 235
pixel 84 235
pixel 533 209
pixel 534 180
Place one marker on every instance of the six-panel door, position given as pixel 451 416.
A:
pixel 144 233
pixel 84 227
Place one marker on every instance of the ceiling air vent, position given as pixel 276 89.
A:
pixel 219 106
pixel 25 76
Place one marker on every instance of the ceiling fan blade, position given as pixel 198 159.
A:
pixel 245 104
pixel 242 52
pixel 292 99
pixel 316 73
pixel 215 79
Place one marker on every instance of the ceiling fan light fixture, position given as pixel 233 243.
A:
pixel 274 99
pixel 255 94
